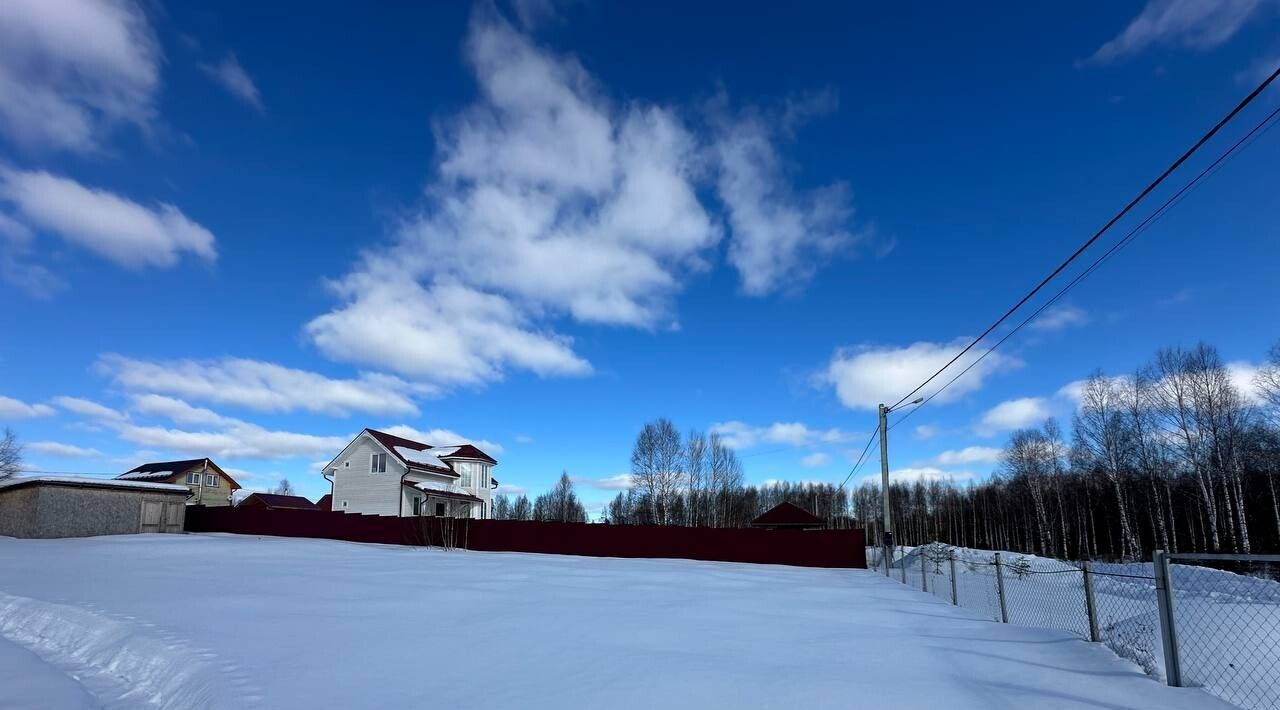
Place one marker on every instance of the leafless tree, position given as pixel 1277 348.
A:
pixel 10 454
pixel 284 488
pixel 560 504
pixel 656 461
pixel 695 466
pixel 1103 435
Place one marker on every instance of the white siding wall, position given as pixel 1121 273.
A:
pixel 482 471
pixel 369 493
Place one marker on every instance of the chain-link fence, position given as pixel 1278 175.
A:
pixel 1223 614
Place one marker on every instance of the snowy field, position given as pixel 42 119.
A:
pixel 221 621
pixel 1228 624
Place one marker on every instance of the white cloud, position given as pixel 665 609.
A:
pixel 63 451
pixel 1243 376
pixel 507 489
pixel 1060 318
pixel 968 455
pixel 815 459
pixel 866 376
pixel 920 473
pixel 262 386
pixel 1014 414
pixel 779 238
pixel 442 437
pixel 72 69
pixel 550 201
pixel 226 437
pixel 117 229
pixel 620 482
pixel 11 408
pixel 1191 24
pixel 89 408
pixel 235 80
pixel 740 435
pixel 925 431
pixel 524 439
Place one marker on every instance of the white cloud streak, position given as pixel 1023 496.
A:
pixel 1189 24
pixel 1014 414
pixel 968 455
pixel 740 435
pixel 72 69
pixel 866 376
pixel 11 408
pixel 115 228
pixel 62 451
pixel 231 76
pixel 1060 318
pixel 262 386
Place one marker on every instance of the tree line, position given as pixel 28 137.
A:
pixel 1173 456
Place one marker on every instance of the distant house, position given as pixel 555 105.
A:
pixel 787 515
pixel 209 484
pixel 275 501
pixel 382 474
pixel 325 502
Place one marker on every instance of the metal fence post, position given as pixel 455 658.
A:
pixel 1004 609
pixel 904 565
pixel 1168 631
pixel 955 598
pixel 1090 606
pixel 924 573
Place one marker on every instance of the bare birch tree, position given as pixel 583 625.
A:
pixel 10 454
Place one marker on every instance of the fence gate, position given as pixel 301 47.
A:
pixel 152 514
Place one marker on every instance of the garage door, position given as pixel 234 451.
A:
pixel 173 514
pixel 152 515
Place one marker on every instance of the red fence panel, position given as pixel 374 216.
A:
pixel 806 548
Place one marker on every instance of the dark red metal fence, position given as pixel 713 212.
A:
pixel 807 548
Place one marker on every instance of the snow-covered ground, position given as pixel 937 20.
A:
pixel 1228 624
pixel 222 621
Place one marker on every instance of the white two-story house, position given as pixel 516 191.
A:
pixel 383 474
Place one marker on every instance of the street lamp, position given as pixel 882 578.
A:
pixel 886 532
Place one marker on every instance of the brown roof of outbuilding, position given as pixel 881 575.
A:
pixel 325 502
pixel 276 500
pixel 787 515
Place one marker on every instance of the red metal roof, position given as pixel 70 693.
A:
pixel 444 494
pixel 391 441
pixel 467 451
pixel 275 500
pixel 325 502
pixel 787 515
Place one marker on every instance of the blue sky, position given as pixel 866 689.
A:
pixel 248 232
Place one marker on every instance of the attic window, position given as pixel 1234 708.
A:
pixel 193 478
pixel 378 463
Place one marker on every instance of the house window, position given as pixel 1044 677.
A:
pixel 193 478
pixel 440 509
pixel 417 505
pixel 211 480
pixel 346 464
pixel 464 468
pixel 344 504
pixel 378 463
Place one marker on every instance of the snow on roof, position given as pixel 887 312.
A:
pixel 144 475
pixel 427 458
pixel 431 486
pixel 16 481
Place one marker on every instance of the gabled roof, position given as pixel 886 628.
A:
pixel 787 515
pixel 162 470
pixel 325 502
pixel 467 451
pixel 276 500
pixel 429 458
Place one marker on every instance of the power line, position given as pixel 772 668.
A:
pixel 67 473
pixel 1097 235
pixel 1257 131
pixel 861 457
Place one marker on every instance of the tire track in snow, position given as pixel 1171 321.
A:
pixel 124 662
